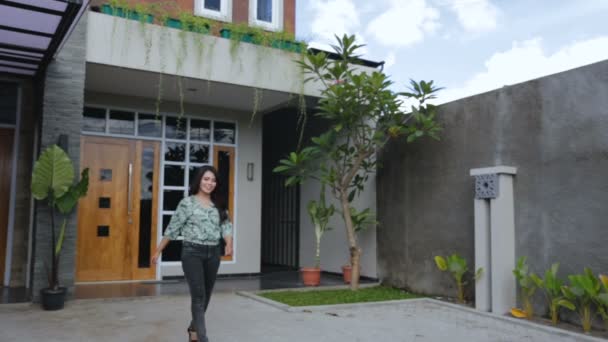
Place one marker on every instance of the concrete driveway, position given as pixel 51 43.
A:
pixel 239 319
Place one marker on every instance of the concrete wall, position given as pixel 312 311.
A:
pixel 552 129
pixel 61 114
pixel 334 244
pixel 248 193
pixel 121 42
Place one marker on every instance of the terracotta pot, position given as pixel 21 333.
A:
pixel 311 276
pixel 346 273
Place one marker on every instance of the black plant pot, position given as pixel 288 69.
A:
pixel 53 299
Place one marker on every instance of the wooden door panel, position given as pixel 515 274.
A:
pixel 6 162
pixel 103 235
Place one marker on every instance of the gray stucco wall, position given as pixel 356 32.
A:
pixel 553 129
pixel 61 114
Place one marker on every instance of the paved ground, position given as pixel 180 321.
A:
pixel 236 318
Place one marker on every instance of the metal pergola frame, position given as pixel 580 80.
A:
pixel 32 59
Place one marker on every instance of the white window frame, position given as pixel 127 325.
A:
pixel 277 16
pixel 224 14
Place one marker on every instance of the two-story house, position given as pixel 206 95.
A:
pixel 142 94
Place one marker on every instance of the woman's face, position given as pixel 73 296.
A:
pixel 208 183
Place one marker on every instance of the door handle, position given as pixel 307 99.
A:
pixel 130 193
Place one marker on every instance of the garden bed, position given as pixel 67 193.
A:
pixel 337 296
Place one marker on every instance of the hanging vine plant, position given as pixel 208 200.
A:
pixel 193 27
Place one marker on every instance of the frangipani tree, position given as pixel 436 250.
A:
pixel 364 114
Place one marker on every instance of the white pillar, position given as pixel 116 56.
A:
pixel 496 290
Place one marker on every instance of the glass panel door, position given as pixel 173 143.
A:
pixel 224 163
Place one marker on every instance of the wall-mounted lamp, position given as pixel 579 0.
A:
pixel 249 171
pixel 63 142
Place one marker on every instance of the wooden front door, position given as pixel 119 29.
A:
pixel 117 218
pixel 6 162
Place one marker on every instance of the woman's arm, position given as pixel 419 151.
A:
pixel 228 240
pixel 163 243
pixel 226 228
pixel 174 229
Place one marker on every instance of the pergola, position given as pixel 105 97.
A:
pixel 33 31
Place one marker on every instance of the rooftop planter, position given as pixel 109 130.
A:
pixel 253 38
pixel 186 26
pixel 159 14
pixel 125 13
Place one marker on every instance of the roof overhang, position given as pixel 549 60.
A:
pixel 33 31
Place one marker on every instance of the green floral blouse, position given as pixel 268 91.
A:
pixel 197 224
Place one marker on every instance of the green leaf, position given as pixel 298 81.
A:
pixel 66 203
pixel 441 264
pixel 351 195
pixel 566 304
pixel 60 238
pixel 603 298
pixel 53 174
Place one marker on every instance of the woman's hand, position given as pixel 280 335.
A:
pixel 163 243
pixel 228 250
pixel 155 258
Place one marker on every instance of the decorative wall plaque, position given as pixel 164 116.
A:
pixel 486 186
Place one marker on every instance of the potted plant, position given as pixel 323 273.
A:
pixel 320 214
pixel 346 273
pixel 52 180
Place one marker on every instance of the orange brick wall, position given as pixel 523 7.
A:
pixel 240 10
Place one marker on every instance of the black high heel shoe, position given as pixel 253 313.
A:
pixel 190 332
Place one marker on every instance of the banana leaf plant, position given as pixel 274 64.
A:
pixel 602 299
pixel 527 286
pixel 457 266
pixel 53 181
pixel 583 291
pixel 552 288
pixel 320 214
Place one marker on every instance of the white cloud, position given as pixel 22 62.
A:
pixel 404 23
pixel 527 60
pixel 333 17
pixel 390 60
pixel 475 15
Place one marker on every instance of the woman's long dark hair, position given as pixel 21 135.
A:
pixel 217 195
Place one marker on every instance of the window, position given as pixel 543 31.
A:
pixel 214 9
pixel 267 14
pixel 8 103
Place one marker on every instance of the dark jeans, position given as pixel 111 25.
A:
pixel 200 264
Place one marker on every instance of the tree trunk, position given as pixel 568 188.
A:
pixel 355 251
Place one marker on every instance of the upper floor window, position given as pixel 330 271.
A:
pixel 267 14
pixel 214 9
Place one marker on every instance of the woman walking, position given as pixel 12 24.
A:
pixel 202 220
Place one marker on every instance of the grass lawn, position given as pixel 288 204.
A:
pixel 329 297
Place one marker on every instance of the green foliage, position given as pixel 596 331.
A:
pixel 583 291
pixel 52 180
pixel 165 13
pixel 457 266
pixel 362 219
pixel 332 297
pixel 528 283
pixel 552 288
pixel 320 214
pixel 364 114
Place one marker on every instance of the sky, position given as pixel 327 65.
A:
pixel 466 46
